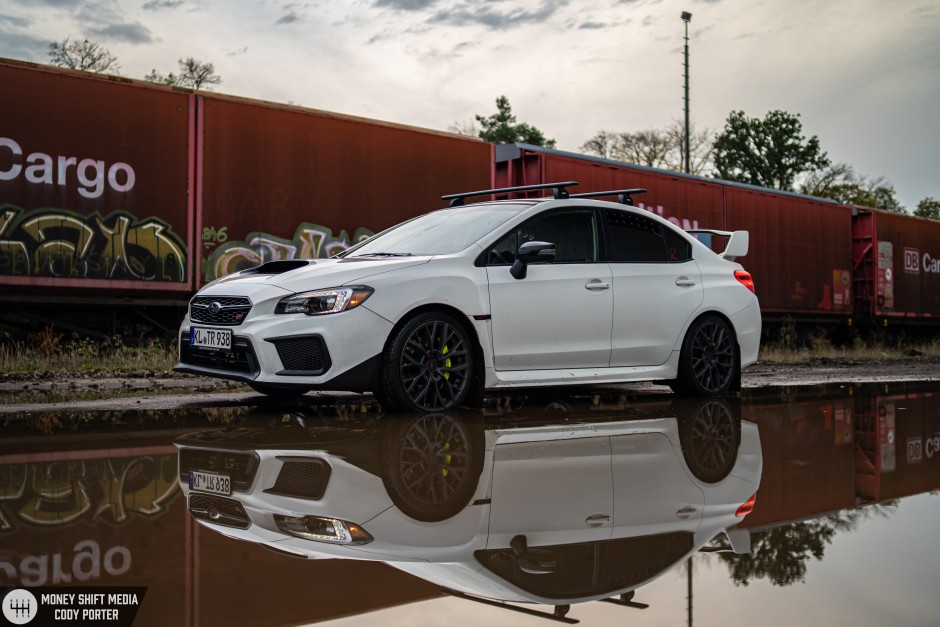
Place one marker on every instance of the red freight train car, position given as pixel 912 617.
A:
pixel 282 182
pixel 896 266
pixel 801 251
pixel 94 185
pixel 119 191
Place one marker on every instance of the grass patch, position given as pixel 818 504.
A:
pixel 792 347
pixel 52 351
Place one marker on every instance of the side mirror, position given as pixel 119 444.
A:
pixel 532 561
pixel 531 252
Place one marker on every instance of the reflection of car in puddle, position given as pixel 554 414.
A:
pixel 556 512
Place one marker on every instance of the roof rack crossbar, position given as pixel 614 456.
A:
pixel 559 191
pixel 624 196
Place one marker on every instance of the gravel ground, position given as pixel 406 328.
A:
pixel 27 393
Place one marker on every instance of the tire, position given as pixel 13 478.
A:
pixel 277 391
pixel 428 366
pixel 432 464
pixel 709 361
pixel 710 434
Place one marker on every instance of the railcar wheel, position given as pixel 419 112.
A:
pixel 429 365
pixel 709 362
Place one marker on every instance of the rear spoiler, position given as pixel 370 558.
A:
pixel 738 242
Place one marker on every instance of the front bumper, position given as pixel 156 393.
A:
pixel 336 351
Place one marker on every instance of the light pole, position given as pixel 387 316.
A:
pixel 687 17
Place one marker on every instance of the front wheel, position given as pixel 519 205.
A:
pixel 709 362
pixel 428 365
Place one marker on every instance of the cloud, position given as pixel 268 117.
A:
pixel 53 3
pixel 20 46
pixel 237 53
pixel 289 18
pixel 470 13
pixel 405 5
pixel 592 25
pixel 19 22
pixel 157 5
pixel 135 33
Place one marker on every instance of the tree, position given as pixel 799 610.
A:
pixel 502 128
pixel 465 127
pixel 841 183
pixel 657 148
pixel 89 56
pixel 193 74
pixel 770 152
pixel 929 207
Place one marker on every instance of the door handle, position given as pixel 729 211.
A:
pixel 684 281
pixel 597 520
pixel 597 285
pixel 686 512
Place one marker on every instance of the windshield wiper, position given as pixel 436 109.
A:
pixel 384 255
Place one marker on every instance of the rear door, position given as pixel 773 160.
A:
pixel 657 287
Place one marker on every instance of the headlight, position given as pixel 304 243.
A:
pixel 320 529
pixel 333 300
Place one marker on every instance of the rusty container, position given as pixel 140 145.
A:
pixel 689 202
pixel 897 266
pixel 801 250
pixel 94 185
pixel 281 182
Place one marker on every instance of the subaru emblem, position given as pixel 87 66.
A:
pixel 215 308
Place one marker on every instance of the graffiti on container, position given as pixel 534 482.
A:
pixel 88 560
pixel 212 237
pixel 310 241
pixel 61 243
pixel 57 494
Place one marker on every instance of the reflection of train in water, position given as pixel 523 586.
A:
pixel 77 510
pixel 157 191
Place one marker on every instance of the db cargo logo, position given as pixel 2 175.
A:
pixel 911 260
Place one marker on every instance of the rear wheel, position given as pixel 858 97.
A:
pixel 428 366
pixel 709 362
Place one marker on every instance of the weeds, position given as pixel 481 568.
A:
pixel 49 350
pixel 789 349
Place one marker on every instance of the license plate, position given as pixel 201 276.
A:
pixel 210 482
pixel 220 339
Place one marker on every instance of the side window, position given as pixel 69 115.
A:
pixel 574 233
pixel 634 237
pixel 677 247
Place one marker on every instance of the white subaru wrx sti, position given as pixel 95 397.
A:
pixel 498 294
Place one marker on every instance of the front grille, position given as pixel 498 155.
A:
pixel 240 467
pixel 302 478
pixel 302 355
pixel 218 510
pixel 241 358
pixel 231 310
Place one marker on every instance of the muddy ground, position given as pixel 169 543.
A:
pixel 26 393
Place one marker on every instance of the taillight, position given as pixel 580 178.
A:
pixel 747 506
pixel 745 279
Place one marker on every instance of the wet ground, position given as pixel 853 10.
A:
pixel 843 529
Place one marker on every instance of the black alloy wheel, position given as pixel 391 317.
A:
pixel 709 361
pixel 429 365
pixel 710 436
pixel 432 465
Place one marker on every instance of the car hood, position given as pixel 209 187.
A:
pixel 322 273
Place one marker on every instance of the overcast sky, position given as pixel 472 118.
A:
pixel 864 75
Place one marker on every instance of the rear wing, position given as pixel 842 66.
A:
pixel 738 242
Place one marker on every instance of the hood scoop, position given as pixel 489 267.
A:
pixel 278 267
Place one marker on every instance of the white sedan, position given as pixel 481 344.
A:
pixel 497 294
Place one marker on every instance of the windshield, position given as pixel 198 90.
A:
pixel 439 233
